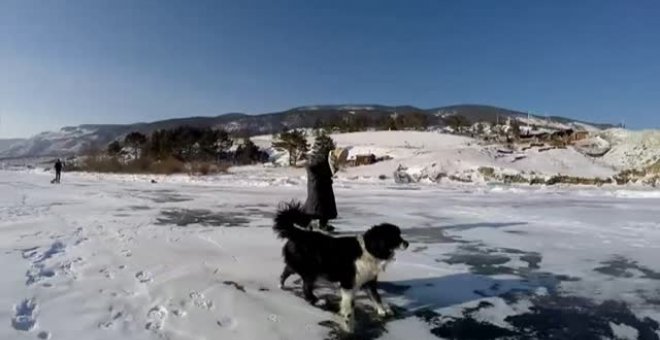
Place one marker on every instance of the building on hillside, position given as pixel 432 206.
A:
pixel 543 135
pixel 579 135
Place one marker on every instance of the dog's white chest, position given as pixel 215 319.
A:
pixel 367 268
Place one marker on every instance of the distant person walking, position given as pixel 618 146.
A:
pixel 320 202
pixel 58 170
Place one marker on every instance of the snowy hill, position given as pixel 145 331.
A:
pixel 67 141
pixel 432 156
pixel 439 157
pixel 493 114
pixel 7 143
pixel 71 140
pixel 631 149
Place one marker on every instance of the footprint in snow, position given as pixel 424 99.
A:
pixel 143 276
pixel 110 323
pixel 25 318
pixel 180 313
pixel 200 301
pixel 44 335
pixel 107 273
pixel 38 272
pixel 156 318
pixel 227 322
pixel 56 248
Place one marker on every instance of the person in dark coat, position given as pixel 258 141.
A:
pixel 320 202
pixel 58 170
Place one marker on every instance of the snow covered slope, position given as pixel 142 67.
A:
pixel 431 155
pixel 631 149
pixel 68 141
pixel 6 143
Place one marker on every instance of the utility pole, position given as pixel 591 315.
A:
pixel 528 118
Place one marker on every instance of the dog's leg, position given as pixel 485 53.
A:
pixel 346 309
pixel 285 275
pixel 372 290
pixel 308 291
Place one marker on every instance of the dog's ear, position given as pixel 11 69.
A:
pixel 380 239
pixel 383 239
pixel 377 247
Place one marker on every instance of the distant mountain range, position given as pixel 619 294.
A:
pixel 6 143
pixel 73 140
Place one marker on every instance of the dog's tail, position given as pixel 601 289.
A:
pixel 288 216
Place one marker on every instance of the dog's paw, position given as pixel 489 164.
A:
pixel 384 310
pixel 348 324
pixel 321 303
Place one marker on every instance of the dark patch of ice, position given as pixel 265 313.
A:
pixel 550 317
pixel 185 217
pixel 619 266
pixel 429 235
pixel 467 226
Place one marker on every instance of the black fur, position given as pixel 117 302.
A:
pixel 289 215
pixel 314 255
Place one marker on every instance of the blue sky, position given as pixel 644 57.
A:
pixel 116 61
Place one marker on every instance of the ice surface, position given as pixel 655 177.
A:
pixel 108 257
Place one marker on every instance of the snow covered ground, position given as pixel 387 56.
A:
pixel 428 156
pixel 117 257
pixel 434 157
pixel 631 149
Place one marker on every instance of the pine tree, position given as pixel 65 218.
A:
pixel 294 142
pixel 135 140
pixel 457 122
pixel 248 153
pixel 214 143
pixel 414 120
pixel 159 147
pixel 114 148
pixel 323 144
pixel 391 124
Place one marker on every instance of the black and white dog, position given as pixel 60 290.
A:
pixel 351 261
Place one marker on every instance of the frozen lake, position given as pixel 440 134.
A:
pixel 125 259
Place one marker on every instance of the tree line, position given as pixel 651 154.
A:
pixel 191 145
pixel 359 122
pixel 187 144
pixel 294 143
pixel 413 120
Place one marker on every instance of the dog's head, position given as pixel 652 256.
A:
pixel 382 240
